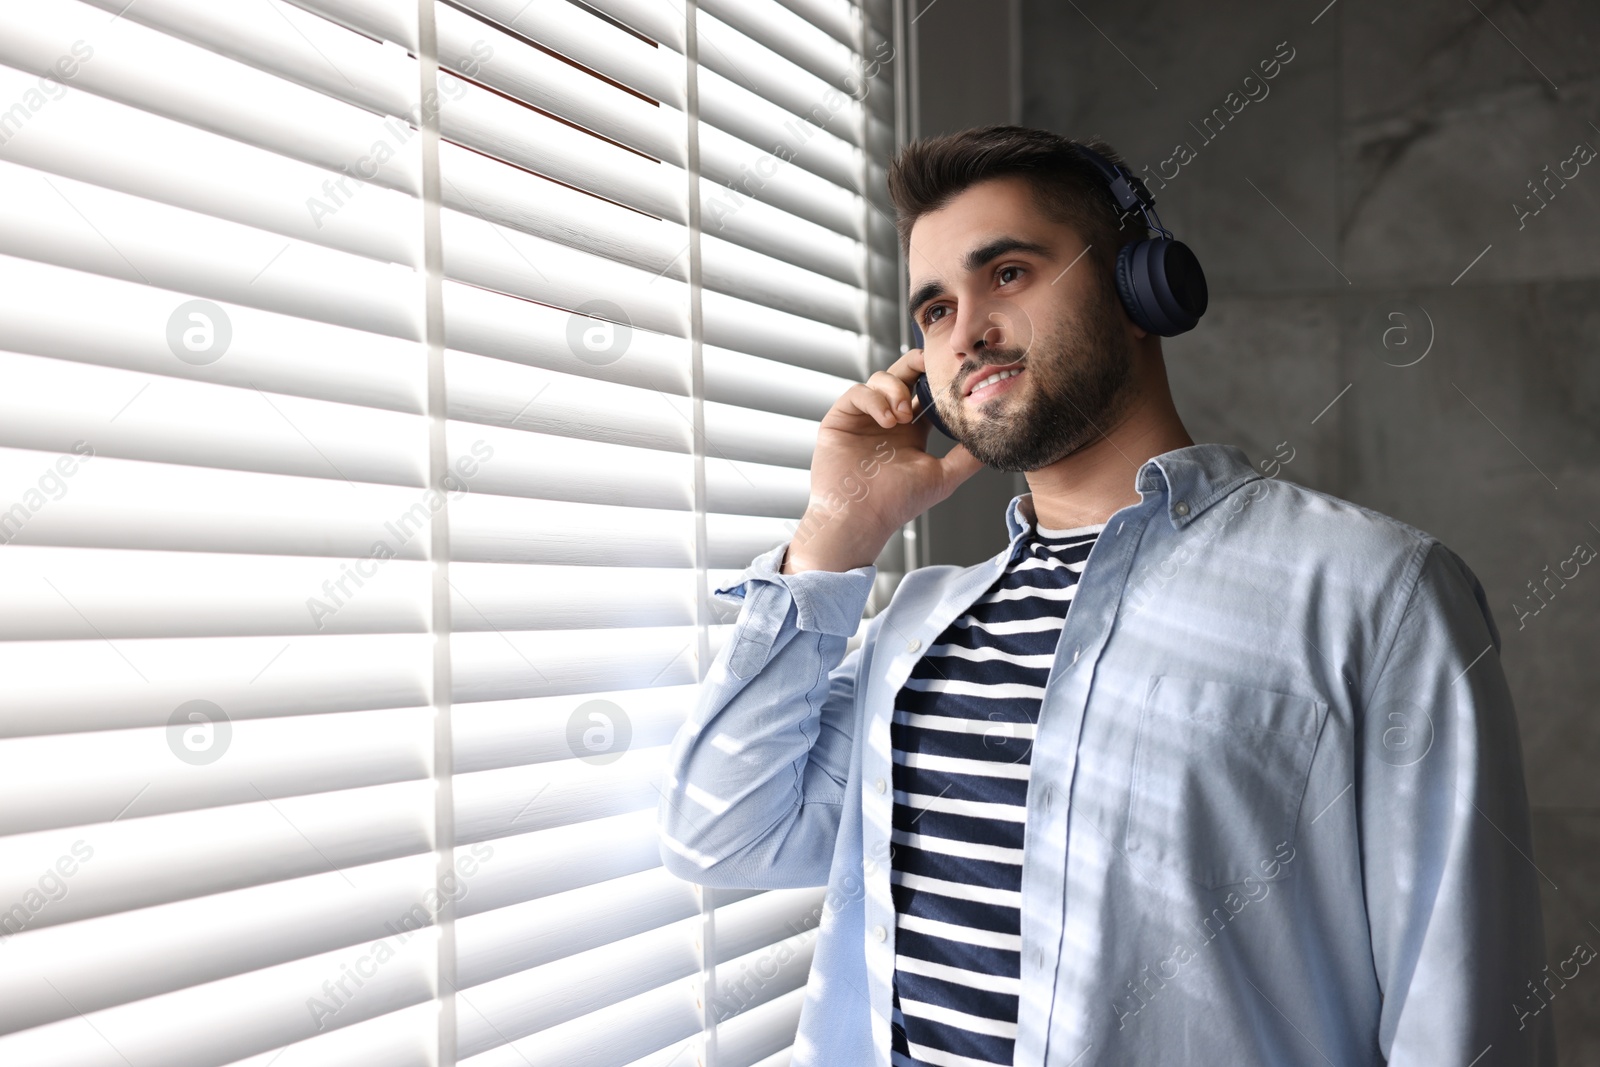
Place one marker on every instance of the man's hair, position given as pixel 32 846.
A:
pixel 927 174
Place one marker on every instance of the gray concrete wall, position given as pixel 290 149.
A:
pixel 1356 216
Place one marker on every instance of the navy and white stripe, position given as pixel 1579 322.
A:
pixel 962 739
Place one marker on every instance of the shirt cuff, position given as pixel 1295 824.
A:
pixel 829 602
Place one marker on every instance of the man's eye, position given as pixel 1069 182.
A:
pixel 1013 272
pixel 931 315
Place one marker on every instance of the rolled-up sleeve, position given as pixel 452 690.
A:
pixel 1451 885
pixel 756 776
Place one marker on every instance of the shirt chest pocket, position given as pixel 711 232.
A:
pixel 1219 770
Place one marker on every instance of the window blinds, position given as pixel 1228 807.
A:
pixel 388 383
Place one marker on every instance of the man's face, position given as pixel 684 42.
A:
pixel 994 283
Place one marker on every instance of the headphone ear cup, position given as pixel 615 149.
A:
pixel 1162 285
pixel 1127 292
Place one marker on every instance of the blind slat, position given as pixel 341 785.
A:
pixel 144 68
pixel 56 781
pixel 523 936
pixel 105 143
pixel 278 37
pixel 481 51
pixel 129 956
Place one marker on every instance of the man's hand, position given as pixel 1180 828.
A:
pixel 871 473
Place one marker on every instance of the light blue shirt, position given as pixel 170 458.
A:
pixel 1276 812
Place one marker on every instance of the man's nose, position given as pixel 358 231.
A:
pixel 1003 327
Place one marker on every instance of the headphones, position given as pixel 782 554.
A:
pixel 1158 279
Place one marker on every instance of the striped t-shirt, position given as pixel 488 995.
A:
pixel 962 739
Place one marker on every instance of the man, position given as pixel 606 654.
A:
pixel 1204 768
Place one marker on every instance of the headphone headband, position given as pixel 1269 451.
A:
pixel 1158 279
pixel 1126 187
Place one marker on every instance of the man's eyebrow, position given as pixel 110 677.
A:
pixel 998 247
pixel 975 259
pixel 925 293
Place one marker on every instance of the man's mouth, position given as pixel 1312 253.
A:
pixel 992 381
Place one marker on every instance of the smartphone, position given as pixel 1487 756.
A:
pixel 924 391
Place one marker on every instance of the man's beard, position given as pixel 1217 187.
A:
pixel 1081 384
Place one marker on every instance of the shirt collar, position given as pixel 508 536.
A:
pixel 1195 477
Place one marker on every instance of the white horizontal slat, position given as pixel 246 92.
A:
pixel 490 804
pixel 129 683
pixel 405 1038
pixel 661 23
pixel 498 943
pixel 657 1028
pixel 506 260
pixel 735 379
pixel 137 862
pixel 73 224
pixel 488 122
pixel 148 69
pixel 107 505
pixel 497 529
pixel 521 332
pixel 106 143
pixel 759 437
pixel 42 307
pixel 510 596
pixel 778 28
pixel 782 1058
pixel 725 160
pixel 508 733
pixel 116 959
pixel 496 197
pixel 238 1016
pixel 739 421
pixel 882 269
pixel 836 18
pixel 737 271
pixel 548 467
pixel 568 30
pixel 734 540
pixel 503 62
pixel 746 327
pixel 542 997
pixel 382 20
pixel 493 392
pixel 741 218
pixel 532 865
pixel 61 780
pixel 763 921
pixel 509 664
pixel 762 1031
pixel 746 85
pixel 497 192
pixel 280 38
pixel 742 488
pixel 50 405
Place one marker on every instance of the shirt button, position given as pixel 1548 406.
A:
pixel 913 645
pixel 1180 509
pixel 879 786
pixel 880 933
pixel 1038 959
pixel 1047 799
